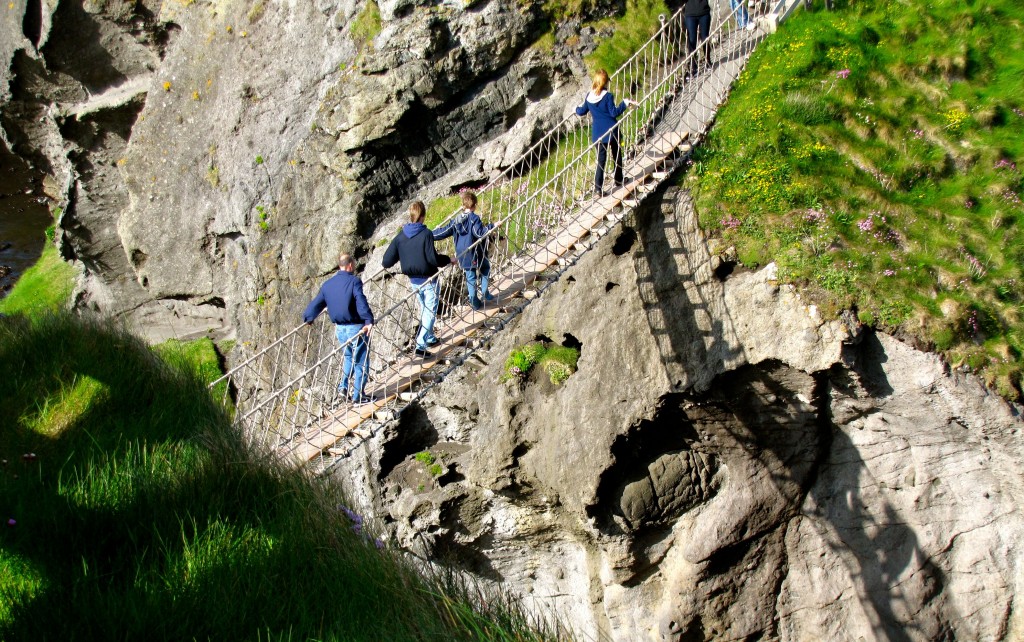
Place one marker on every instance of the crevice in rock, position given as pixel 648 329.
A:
pixel 414 433
pixel 724 270
pixel 540 86
pixel 470 185
pixel 624 242
pixel 655 476
pixel 75 47
pixel 611 285
pixel 570 341
pixel 32 21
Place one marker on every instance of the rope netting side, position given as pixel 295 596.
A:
pixel 287 393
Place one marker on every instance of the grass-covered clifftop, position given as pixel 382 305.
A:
pixel 131 509
pixel 875 154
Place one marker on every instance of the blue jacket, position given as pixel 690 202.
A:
pixel 467 228
pixel 342 295
pixel 414 247
pixel 605 113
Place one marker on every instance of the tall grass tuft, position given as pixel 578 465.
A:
pixel 132 509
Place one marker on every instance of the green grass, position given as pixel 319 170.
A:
pixel 367 24
pixel 874 154
pixel 628 33
pixel 44 287
pixel 140 513
pixel 558 362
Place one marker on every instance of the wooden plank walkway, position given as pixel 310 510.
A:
pixel 644 173
pixel 346 419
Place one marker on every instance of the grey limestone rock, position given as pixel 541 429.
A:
pixel 725 464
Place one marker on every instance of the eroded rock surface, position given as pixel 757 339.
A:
pixel 211 159
pixel 725 465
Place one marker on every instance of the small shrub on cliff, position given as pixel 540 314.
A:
pixel 367 24
pixel 558 362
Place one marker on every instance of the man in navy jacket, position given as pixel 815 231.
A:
pixel 348 308
pixel 414 247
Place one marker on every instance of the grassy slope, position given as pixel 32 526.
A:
pixel 44 286
pixel 874 154
pixel 142 515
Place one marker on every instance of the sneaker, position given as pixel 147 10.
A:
pixel 489 297
pixel 422 352
pixel 751 26
pixel 476 304
pixel 364 400
pixel 433 341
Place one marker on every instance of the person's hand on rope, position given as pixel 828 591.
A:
pixel 367 329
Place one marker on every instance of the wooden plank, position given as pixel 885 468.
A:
pixel 409 369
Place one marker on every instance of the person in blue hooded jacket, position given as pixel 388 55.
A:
pixel 414 247
pixel 467 228
pixel 600 104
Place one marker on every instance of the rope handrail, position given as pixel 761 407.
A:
pixel 297 376
pixel 385 272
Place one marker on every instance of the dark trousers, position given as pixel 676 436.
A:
pixel 697 30
pixel 602 159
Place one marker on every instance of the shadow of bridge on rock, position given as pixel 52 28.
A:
pixel 775 423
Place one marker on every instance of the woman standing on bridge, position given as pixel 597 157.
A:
pixel 600 103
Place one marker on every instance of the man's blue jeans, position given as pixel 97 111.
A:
pixel 484 270
pixel 426 294
pixel 742 17
pixel 353 368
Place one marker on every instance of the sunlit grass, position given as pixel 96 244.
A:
pixel 138 512
pixel 46 286
pixel 874 154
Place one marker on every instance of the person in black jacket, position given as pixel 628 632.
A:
pixel 348 308
pixel 414 247
pixel 697 15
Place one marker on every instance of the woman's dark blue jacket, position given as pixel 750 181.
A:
pixel 605 113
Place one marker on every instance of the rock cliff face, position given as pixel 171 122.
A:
pixel 212 158
pixel 724 465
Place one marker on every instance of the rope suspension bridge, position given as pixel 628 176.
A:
pixel 546 216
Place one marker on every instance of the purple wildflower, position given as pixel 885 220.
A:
pixel 917 133
pixel 843 74
pixel 889 272
pixel 731 222
pixel 866 225
pixel 379 543
pixel 1005 163
pixel 814 216
pixel 12 522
